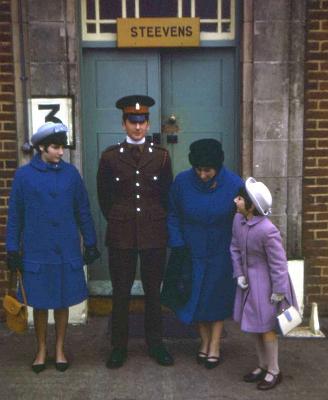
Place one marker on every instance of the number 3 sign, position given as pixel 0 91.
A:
pixel 54 109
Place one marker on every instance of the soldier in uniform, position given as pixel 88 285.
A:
pixel 133 182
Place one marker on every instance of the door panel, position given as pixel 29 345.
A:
pixel 198 89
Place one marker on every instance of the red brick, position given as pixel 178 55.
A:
pixel 317 94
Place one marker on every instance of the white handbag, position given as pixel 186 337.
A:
pixel 289 319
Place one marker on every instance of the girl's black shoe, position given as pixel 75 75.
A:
pixel 252 377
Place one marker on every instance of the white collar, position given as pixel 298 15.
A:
pixel 131 141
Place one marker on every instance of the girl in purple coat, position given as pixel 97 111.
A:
pixel 260 266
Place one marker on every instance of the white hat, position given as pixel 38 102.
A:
pixel 47 129
pixel 260 195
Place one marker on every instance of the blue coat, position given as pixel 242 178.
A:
pixel 258 254
pixel 200 217
pixel 48 207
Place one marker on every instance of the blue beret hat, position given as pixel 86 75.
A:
pixel 47 129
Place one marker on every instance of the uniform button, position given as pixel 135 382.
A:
pixel 54 223
pixel 138 196
pixel 155 178
pixel 138 209
pixel 117 179
pixel 137 172
pixel 53 194
pixel 137 184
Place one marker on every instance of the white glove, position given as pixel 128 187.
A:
pixel 242 282
pixel 276 298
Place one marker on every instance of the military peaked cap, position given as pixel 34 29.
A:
pixel 135 107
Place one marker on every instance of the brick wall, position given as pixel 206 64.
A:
pixel 315 194
pixel 8 142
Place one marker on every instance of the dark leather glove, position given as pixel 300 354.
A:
pixel 179 253
pixel 90 254
pixel 14 261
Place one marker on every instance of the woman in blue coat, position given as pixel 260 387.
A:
pixel 48 209
pixel 201 211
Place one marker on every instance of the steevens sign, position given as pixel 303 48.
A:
pixel 158 32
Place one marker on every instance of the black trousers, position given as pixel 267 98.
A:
pixel 122 268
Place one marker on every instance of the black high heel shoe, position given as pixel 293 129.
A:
pixel 37 368
pixel 61 366
pixel 212 362
pixel 201 357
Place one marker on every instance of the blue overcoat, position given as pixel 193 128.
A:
pixel 200 217
pixel 48 209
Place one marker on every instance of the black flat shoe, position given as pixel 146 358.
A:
pixel 117 358
pixel 212 362
pixel 161 355
pixel 252 377
pixel 267 385
pixel 37 368
pixel 61 366
pixel 201 357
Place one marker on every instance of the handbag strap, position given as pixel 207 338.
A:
pixel 20 280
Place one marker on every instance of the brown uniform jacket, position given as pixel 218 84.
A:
pixel 133 196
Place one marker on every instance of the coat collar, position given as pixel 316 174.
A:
pixel 39 164
pixel 146 156
pixel 203 186
pixel 253 221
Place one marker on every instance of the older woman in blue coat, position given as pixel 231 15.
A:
pixel 48 209
pixel 260 266
pixel 201 211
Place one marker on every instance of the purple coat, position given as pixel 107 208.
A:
pixel 258 254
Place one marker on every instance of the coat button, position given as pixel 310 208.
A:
pixel 55 224
pixel 138 209
pixel 138 196
pixel 117 179
pixel 57 250
pixel 137 172
pixel 137 184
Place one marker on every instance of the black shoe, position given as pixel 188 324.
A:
pixel 37 368
pixel 161 355
pixel 252 377
pixel 201 357
pixel 267 385
pixel 117 358
pixel 61 366
pixel 212 362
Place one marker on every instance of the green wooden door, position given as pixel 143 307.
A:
pixel 195 98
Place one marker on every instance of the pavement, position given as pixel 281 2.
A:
pixel 304 364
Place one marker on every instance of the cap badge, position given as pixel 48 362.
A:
pixel 137 106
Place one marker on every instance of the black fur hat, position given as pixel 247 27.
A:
pixel 206 153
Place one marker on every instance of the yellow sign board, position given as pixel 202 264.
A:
pixel 158 32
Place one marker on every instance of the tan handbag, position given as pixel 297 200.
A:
pixel 16 312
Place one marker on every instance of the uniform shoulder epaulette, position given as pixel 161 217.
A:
pixel 159 147
pixel 112 147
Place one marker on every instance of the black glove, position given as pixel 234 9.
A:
pixel 14 261
pixel 179 253
pixel 90 254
